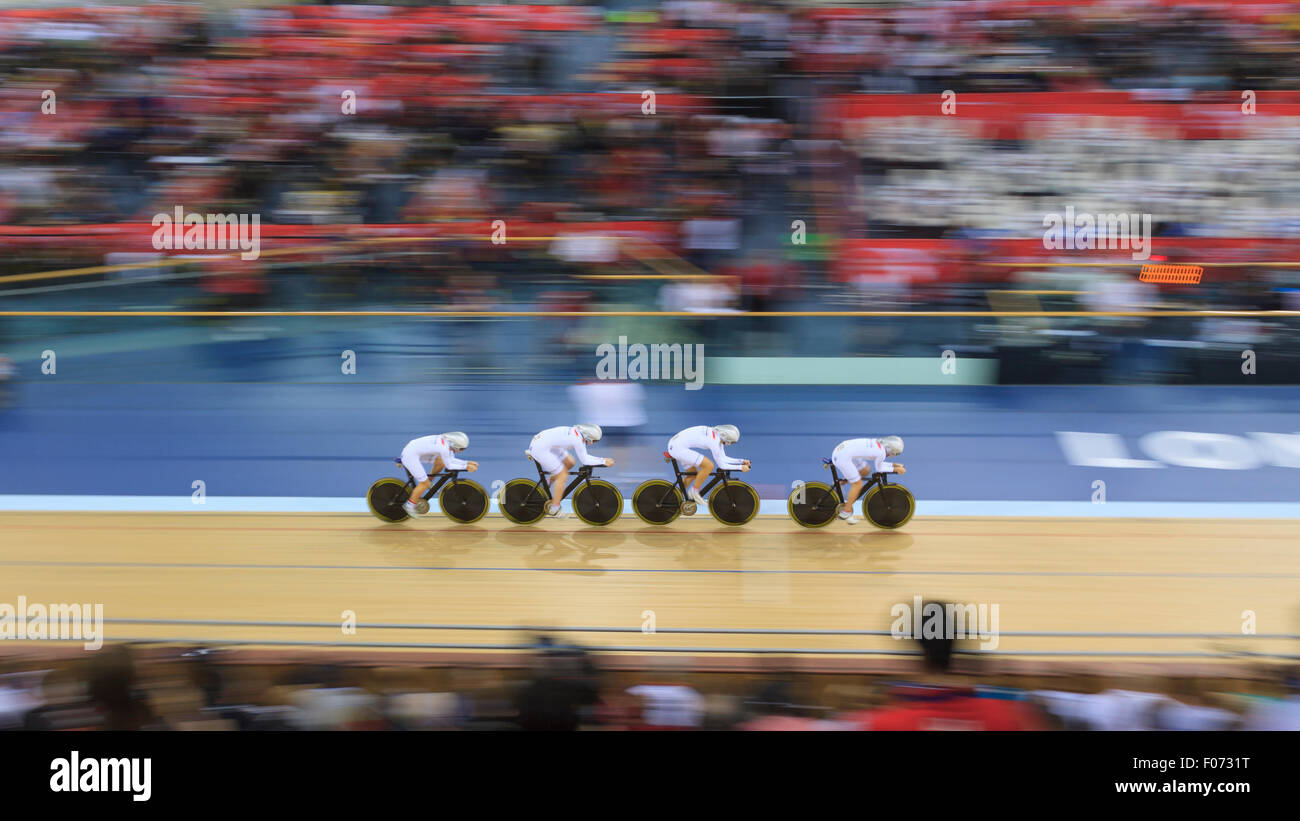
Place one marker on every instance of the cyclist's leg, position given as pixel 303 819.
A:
pixel 422 485
pixel 411 461
pixel 851 496
pixel 555 465
pixel 849 473
pixel 702 471
pixel 559 478
pixel 688 460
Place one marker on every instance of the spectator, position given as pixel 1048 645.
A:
pixel 112 692
pixel 939 700
pixel 669 706
pixel 562 688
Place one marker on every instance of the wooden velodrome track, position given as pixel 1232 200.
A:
pixel 1144 576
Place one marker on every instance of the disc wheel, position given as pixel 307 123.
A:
pixel 385 499
pixel 522 502
pixel 465 502
pixel 657 502
pixel 888 506
pixel 734 504
pixel 813 505
pixel 597 502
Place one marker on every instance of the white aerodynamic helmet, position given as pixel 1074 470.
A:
pixel 893 445
pixel 591 433
pixel 729 434
pixel 457 440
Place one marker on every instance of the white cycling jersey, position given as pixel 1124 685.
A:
pixel 852 455
pixel 682 447
pixel 563 439
pixel 426 449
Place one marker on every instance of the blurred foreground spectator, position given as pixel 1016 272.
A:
pixel 669 706
pixel 562 689
pixel 1278 713
pixel 939 700
pixel 1140 707
pixel 147 688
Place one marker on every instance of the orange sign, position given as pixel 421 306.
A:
pixel 1172 274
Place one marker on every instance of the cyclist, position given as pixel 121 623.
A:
pixel 682 448
pixel 441 450
pixel 550 449
pixel 852 455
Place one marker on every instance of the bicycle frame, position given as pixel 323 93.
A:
pixel 837 488
pixel 720 476
pixel 442 479
pixel 544 484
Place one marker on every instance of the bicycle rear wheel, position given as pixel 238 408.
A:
pixel 657 502
pixel 465 502
pixel 597 502
pixel 813 505
pixel 888 506
pixel 385 499
pixel 734 503
pixel 522 502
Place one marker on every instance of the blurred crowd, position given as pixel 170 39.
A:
pixel 565 688
pixel 461 113
pixel 372 115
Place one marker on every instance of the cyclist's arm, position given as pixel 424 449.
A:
pixel 450 462
pixel 580 448
pixel 721 459
pixel 879 465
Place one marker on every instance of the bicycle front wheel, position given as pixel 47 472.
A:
pixel 597 502
pixel 465 502
pixel 734 504
pixel 888 506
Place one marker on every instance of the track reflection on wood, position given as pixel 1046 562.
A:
pixel 1148 577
